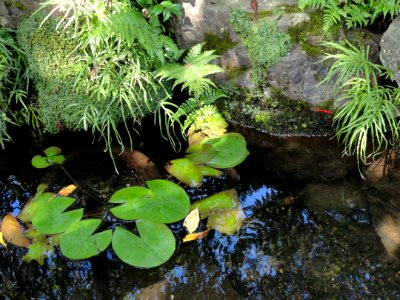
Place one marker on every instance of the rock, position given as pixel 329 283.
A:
pixel 388 230
pixel 12 11
pixel 381 167
pixel 340 200
pixel 390 48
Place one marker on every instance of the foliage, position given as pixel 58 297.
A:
pixel 369 113
pixel 265 42
pixel 219 44
pixel 53 156
pixel 13 83
pixel 353 12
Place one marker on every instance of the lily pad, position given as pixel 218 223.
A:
pixel 200 153
pixel 163 202
pixel 49 216
pixel 208 171
pixel 79 243
pixel 154 245
pixel 26 212
pixel 222 200
pixel 226 221
pixel 40 162
pixel 231 150
pixel 58 159
pixel 52 151
pixel 186 171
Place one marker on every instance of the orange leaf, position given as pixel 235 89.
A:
pixel 192 220
pixel 13 232
pixel 67 190
pixel 195 236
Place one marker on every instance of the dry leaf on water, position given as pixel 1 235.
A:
pixel 192 220
pixel 195 236
pixel 67 190
pixel 13 232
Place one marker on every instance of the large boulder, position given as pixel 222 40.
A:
pixel 390 48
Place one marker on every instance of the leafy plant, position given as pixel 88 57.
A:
pixel 265 42
pixel 369 113
pixel 353 12
pixel 53 156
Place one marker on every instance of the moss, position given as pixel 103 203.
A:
pixel 278 11
pixel 235 72
pixel 303 32
pixel 16 4
pixel 219 44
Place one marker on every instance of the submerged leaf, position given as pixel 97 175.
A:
pixel 41 248
pixel 186 171
pixel 192 220
pixel 79 243
pixel 49 216
pixel 226 221
pixel 195 236
pixel 163 202
pixel 222 200
pixel 154 245
pixel 231 150
pixel 13 232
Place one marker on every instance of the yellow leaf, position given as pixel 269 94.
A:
pixel 192 220
pixel 65 191
pixel 13 232
pixel 195 236
pixel 2 242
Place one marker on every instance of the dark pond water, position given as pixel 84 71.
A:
pixel 283 251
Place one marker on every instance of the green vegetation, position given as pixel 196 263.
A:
pixel 219 44
pixel 353 12
pixel 367 121
pixel 265 42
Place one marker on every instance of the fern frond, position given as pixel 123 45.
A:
pixel 332 15
pixel 314 3
pixel 357 15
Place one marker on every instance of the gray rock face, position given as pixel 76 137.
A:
pixel 12 11
pixel 390 48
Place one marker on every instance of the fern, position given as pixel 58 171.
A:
pixel 332 14
pixel 192 75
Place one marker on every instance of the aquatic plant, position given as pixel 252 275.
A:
pixel 354 13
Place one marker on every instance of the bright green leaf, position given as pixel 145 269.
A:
pixel 163 202
pixel 79 243
pixel 26 212
pixel 226 221
pixel 158 9
pixel 208 171
pixel 186 171
pixel 40 162
pixel 49 216
pixel 231 150
pixel 222 200
pixel 200 153
pixel 154 245
pixel 52 151
pixel 58 159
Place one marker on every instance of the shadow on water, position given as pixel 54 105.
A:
pixel 283 251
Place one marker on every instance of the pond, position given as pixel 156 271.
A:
pixel 283 251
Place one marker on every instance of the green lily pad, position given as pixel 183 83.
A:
pixel 226 221
pixel 49 216
pixel 208 171
pixel 26 212
pixel 52 151
pixel 58 159
pixel 40 162
pixel 185 171
pixel 222 200
pixel 79 243
pixel 231 150
pixel 200 153
pixel 163 202
pixel 153 247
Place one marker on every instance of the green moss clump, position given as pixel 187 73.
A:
pixel 302 33
pixel 14 3
pixel 219 44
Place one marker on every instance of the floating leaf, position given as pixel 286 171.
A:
pixel 222 200
pixel 79 243
pixel 200 153
pixel 208 171
pixel 58 159
pixel 52 151
pixel 155 245
pixel 163 202
pixel 40 162
pixel 67 190
pixel 42 248
pixel 231 150
pixel 192 220
pixel 2 242
pixel 226 221
pixel 186 171
pixel 49 216
pixel 195 236
pixel 13 232
pixel 26 212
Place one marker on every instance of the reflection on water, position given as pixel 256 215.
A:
pixel 283 251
